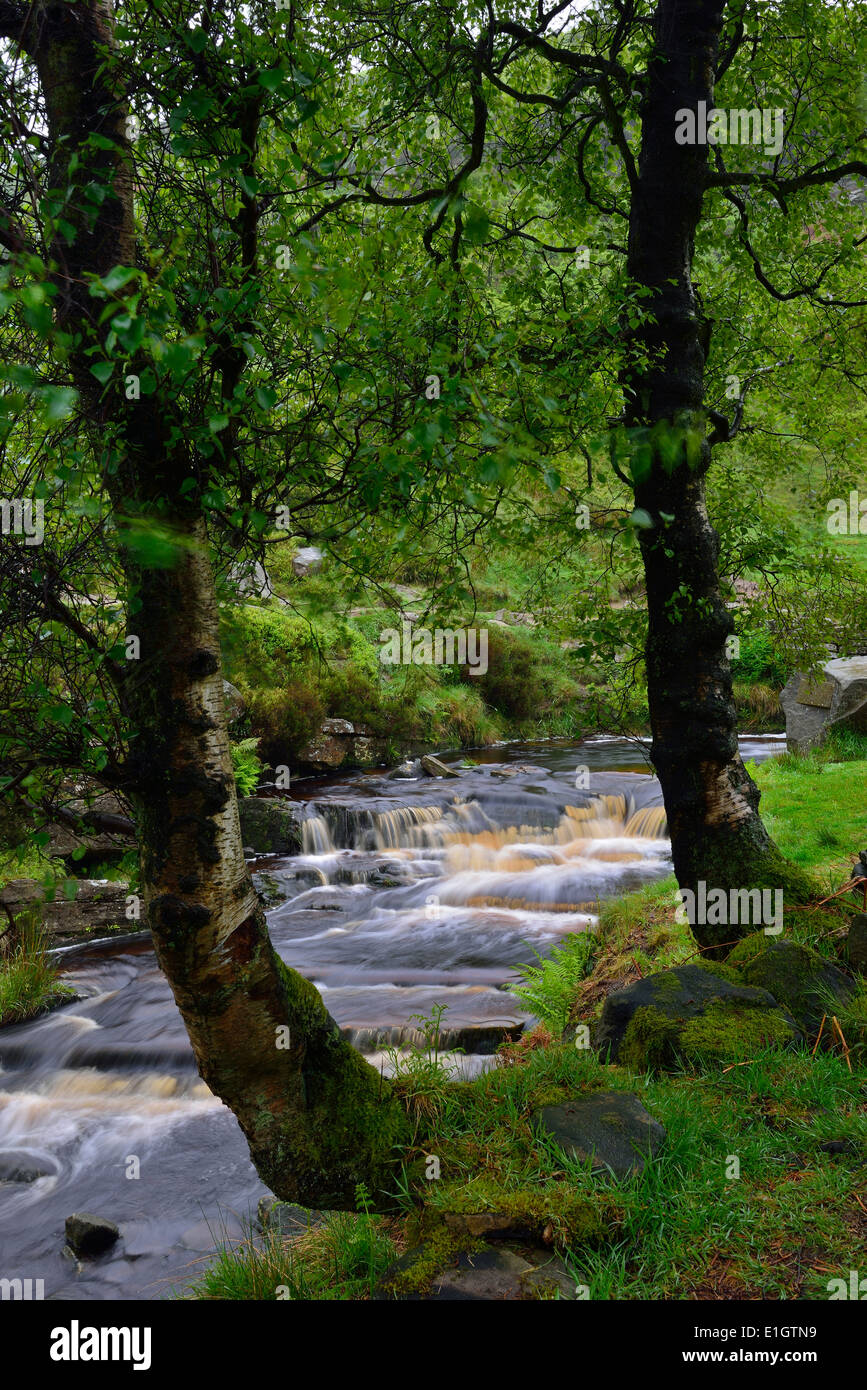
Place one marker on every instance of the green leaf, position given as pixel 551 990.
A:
pixel 271 79
pixel 58 402
pixel 102 371
pixel 217 423
pixel 118 276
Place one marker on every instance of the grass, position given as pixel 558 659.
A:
pixel 687 1227
pixel 340 1259
pixel 29 982
pixel 815 807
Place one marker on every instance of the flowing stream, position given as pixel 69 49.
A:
pixel 408 894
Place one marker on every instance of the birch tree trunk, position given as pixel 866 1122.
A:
pixel 317 1117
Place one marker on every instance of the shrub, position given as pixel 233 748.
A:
pixel 759 660
pixel 284 720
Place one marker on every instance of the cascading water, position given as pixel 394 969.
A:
pixel 406 895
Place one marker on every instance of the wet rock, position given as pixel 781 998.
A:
pixel 270 825
pixel 804 982
pixel 89 1235
pixel 689 1011
pixel 856 943
pixel 435 768
pixel 96 909
pixel 612 1129
pixel 409 770
pixel 21 1168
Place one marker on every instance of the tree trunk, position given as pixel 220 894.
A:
pixel 318 1118
pixel 711 802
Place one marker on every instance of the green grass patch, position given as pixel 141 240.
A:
pixel 29 983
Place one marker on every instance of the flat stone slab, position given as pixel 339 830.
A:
pixel 611 1128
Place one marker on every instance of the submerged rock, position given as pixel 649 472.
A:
pixel 689 1011
pixel 21 1168
pixel 408 770
pixel 612 1129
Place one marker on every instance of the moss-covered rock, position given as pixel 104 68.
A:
pixel 746 950
pixel 732 1032
pixel 692 1011
pixel 856 944
pixel 806 983
pixel 270 825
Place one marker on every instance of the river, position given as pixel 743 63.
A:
pixel 408 894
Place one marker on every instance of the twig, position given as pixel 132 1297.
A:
pixel 819 1035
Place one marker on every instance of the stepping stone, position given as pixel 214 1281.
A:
pixel 611 1128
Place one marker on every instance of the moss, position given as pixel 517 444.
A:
pixel 574 1218
pixel 806 983
pixel 416 1271
pixel 747 949
pixel 666 985
pixel 649 1040
pixel 654 1042
pixel 734 1031
pixel 351 1128
pixel 724 970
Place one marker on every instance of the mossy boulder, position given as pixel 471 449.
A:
pixel 746 950
pixel 689 1012
pixel 729 1031
pixel 270 825
pixel 804 982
